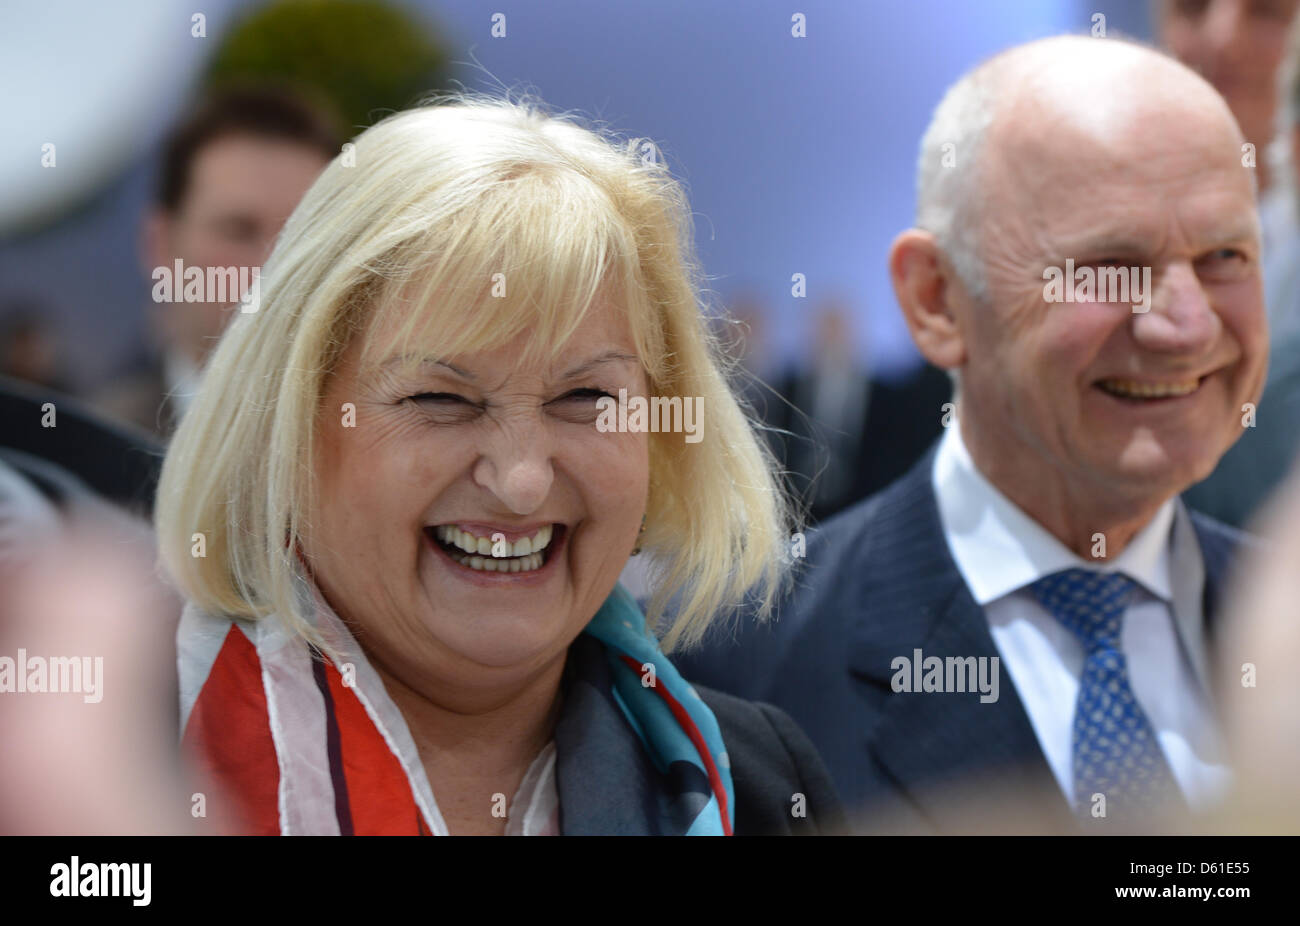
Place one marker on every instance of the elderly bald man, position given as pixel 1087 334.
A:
pixel 1022 626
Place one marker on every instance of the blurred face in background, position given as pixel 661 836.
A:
pixel 1237 45
pixel 241 191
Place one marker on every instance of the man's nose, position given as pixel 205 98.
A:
pixel 515 465
pixel 1181 319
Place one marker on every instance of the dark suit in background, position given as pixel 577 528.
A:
pixel 855 451
pixel 51 429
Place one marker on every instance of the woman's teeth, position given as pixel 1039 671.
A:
pixel 488 564
pixel 481 553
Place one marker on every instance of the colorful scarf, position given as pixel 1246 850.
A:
pixel 296 744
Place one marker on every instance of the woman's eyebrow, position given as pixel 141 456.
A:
pixel 402 359
pixel 608 357
pixel 612 356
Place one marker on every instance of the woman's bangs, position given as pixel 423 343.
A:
pixel 525 265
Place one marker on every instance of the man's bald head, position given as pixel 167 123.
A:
pixel 990 119
pixel 1108 165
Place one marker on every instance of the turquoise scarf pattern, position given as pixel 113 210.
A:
pixel 672 721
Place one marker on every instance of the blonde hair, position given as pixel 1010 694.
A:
pixel 443 197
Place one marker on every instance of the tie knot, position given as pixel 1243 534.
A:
pixel 1090 604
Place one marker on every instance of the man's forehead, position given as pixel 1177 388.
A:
pixel 1099 170
pixel 1122 133
pixel 1115 97
pixel 1123 234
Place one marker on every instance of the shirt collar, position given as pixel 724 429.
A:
pixel 998 548
pixel 180 378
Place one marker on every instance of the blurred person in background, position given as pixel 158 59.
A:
pixel 1238 46
pixel 852 433
pixel 1252 470
pixel 87 667
pixel 87 729
pixel 29 346
pixel 1043 543
pixel 1257 675
pixel 231 174
pixel 403 615
pixel 743 331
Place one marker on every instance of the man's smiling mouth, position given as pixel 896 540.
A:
pixel 1136 390
pixel 480 552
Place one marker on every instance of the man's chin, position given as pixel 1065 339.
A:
pixel 1153 469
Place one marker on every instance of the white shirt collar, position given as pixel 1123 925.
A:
pixel 180 379
pixel 998 548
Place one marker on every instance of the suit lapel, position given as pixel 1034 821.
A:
pixel 1219 545
pixel 1217 550
pixel 920 601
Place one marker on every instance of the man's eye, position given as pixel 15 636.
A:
pixel 1224 258
pixel 1225 265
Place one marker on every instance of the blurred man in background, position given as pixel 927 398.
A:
pixel 231 175
pixel 1238 46
pixel 851 433
pixel 29 345
pixel 1242 48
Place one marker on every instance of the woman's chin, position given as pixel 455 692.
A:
pixel 497 639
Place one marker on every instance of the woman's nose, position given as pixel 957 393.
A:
pixel 516 467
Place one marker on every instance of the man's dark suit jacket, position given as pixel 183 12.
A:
pixel 878 582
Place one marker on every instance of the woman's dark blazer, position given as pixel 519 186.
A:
pixel 771 762
pixel 609 785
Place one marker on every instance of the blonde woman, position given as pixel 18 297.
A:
pixel 399 517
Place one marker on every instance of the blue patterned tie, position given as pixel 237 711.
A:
pixel 1115 749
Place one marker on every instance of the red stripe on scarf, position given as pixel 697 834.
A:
pixel 229 732
pixel 686 723
pixel 378 790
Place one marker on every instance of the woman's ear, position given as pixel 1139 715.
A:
pixel 925 286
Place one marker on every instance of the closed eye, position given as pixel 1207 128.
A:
pixel 584 395
pixel 440 398
pixel 446 407
pixel 579 406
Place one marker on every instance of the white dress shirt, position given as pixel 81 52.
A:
pixel 539 797
pixel 181 380
pixel 1000 551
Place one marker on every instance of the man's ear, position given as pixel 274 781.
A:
pixel 924 286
